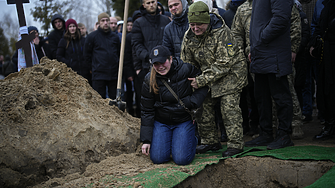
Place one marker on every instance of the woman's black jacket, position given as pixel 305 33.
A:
pixel 72 55
pixel 164 107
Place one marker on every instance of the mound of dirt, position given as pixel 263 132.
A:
pixel 53 124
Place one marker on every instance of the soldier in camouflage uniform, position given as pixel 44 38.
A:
pixel 209 45
pixel 240 30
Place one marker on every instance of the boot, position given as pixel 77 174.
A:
pixel 326 133
pixel 297 132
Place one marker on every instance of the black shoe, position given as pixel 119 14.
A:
pixel 326 133
pixel 231 151
pixel 262 140
pixel 203 148
pixel 282 140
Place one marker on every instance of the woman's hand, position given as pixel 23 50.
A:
pixel 146 149
pixel 194 83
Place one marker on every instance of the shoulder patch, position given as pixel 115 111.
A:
pixel 230 49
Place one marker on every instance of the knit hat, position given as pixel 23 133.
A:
pixel 81 25
pixel 32 28
pixel 198 12
pixel 159 54
pixel 102 15
pixel 70 21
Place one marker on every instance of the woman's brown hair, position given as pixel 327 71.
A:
pixel 153 82
pixel 68 37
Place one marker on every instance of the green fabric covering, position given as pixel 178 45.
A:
pixel 173 175
pixel 303 153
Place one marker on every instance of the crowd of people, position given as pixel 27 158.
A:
pixel 198 68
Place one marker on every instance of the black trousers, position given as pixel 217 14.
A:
pixel 100 87
pixel 268 86
pixel 138 82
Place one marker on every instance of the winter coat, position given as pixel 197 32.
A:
pixel 270 37
pixel 301 62
pixel 228 16
pixel 128 67
pixel 326 66
pixel 72 55
pixel 174 33
pixel 316 15
pixel 164 107
pixel 147 32
pixel 41 51
pixel 54 37
pixel 101 52
pixel 216 53
pixel 220 10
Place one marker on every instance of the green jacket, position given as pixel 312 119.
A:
pixel 215 53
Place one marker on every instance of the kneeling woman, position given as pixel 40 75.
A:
pixel 167 99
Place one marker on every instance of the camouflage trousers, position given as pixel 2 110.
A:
pixel 232 119
pixel 297 113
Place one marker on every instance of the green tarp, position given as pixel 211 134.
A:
pixel 173 175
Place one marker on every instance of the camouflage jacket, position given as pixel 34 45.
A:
pixel 295 29
pixel 241 27
pixel 216 54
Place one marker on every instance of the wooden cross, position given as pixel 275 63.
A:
pixel 24 43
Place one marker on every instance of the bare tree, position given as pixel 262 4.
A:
pixel 44 11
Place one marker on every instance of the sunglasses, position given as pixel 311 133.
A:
pixel 197 13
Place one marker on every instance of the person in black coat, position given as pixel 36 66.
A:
pixel 147 33
pixel 70 49
pixel 58 23
pixel 101 52
pixel 325 95
pixel 166 124
pixel 270 48
pixel 301 63
pixel 41 46
pixel 175 30
pixel 228 16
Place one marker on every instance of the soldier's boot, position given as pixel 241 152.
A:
pixel 297 132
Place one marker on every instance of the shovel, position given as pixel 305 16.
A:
pixel 118 102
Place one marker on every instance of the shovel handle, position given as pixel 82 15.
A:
pixel 123 40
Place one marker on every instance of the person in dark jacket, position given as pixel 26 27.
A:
pixel 301 63
pixel 325 95
pixel 228 16
pixel 136 62
pixel 71 47
pixel 58 23
pixel 220 10
pixel 270 48
pixel 166 125
pixel 102 51
pixel 175 30
pixel 40 44
pixel 147 32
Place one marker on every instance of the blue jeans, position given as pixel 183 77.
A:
pixel 178 140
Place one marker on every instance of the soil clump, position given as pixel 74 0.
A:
pixel 52 123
